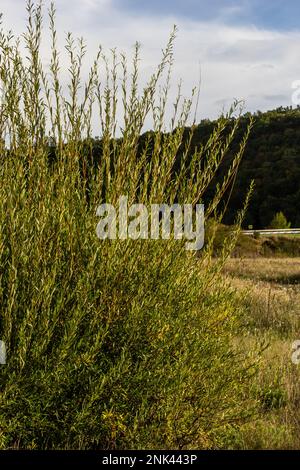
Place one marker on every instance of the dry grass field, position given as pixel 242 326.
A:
pixel 270 299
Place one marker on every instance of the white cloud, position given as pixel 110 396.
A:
pixel 236 62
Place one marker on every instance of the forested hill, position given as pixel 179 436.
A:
pixel 272 160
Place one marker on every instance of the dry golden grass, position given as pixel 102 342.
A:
pixel 270 298
pixel 279 270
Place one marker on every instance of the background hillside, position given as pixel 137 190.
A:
pixel 272 160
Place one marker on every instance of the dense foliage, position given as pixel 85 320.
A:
pixel 110 343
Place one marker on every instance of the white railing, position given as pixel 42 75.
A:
pixel 272 231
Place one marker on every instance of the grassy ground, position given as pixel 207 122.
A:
pixel 269 293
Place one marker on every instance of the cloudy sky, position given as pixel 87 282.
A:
pixel 247 49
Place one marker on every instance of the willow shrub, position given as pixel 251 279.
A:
pixel 110 343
